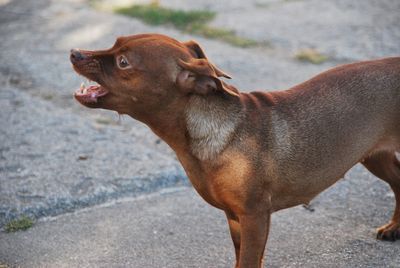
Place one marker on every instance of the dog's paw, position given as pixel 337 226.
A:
pixel 389 232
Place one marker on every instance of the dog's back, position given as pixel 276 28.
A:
pixel 324 126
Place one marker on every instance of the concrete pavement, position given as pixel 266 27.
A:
pixel 176 228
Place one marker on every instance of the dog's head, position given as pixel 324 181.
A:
pixel 144 73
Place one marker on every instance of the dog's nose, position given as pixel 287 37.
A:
pixel 76 55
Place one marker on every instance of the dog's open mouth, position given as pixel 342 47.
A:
pixel 90 94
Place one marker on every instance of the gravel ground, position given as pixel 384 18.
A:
pixel 64 161
pixel 345 30
pixel 57 156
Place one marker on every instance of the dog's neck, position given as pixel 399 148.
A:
pixel 210 121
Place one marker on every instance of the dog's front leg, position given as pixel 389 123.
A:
pixel 254 230
pixel 234 228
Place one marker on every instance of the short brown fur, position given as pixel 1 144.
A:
pixel 251 154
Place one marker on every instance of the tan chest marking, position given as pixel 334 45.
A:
pixel 230 183
pixel 210 126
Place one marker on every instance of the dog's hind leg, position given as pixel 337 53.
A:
pixel 386 166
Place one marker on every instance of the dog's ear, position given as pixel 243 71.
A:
pixel 197 52
pixel 199 76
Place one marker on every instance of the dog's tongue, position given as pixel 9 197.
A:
pixel 90 94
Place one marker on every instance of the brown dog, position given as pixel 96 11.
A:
pixel 251 154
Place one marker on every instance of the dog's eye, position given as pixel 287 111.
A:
pixel 122 62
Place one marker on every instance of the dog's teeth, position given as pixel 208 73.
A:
pixel 83 88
